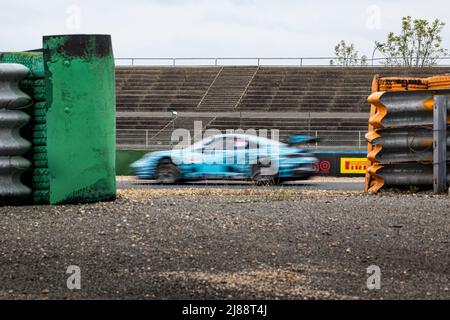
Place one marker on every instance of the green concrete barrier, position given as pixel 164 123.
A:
pixel 81 117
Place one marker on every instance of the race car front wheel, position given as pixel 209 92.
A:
pixel 167 172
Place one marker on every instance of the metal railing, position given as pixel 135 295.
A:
pixel 146 138
pixel 221 62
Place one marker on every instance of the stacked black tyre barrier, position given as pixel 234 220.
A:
pixel 12 145
pixel 40 178
pixel 34 86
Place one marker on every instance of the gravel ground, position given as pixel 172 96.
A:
pixel 238 243
pixel 315 183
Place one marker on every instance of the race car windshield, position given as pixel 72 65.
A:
pixel 259 141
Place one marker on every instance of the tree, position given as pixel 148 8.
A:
pixel 418 44
pixel 346 55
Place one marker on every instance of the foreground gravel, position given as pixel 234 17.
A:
pixel 240 243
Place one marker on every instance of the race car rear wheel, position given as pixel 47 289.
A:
pixel 259 179
pixel 167 172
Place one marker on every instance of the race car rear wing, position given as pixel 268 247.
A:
pixel 297 140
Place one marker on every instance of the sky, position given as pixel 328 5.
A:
pixel 215 28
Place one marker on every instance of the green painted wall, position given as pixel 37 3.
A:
pixel 80 118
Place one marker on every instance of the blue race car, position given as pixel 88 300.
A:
pixel 228 156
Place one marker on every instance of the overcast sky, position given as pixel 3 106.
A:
pixel 215 28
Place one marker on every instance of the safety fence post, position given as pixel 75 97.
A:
pixel 440 144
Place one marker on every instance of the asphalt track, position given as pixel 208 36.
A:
pixel 317 183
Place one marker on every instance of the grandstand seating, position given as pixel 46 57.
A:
pixel 145 95
pixel 303 89
pixel 161 89
pixel 227 89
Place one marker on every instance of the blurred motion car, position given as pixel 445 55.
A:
pixel 229 156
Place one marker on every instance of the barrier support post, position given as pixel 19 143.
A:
pixel 440 144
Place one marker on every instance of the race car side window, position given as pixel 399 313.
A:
pixel 233 144
pixel 216 144
pixel 252 145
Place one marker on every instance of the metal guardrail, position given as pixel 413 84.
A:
pixel 147 137
pixel 408 139
pixel 221 62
